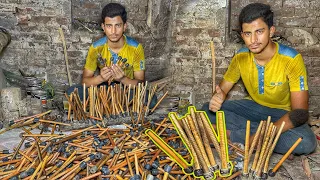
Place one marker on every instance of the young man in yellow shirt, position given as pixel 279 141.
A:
pixel 114 45
pixel 104 53
pixel 275 78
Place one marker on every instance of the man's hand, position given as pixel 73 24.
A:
pixel 106 73
pixel 117 72
pixel 217 100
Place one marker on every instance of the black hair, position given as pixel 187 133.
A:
pixel 255 11
pixel 112 10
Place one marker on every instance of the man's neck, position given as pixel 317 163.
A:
pixel 116 46
pixel 266 55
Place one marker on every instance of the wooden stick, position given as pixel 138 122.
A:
pixel 264 148
pixel 246 150
pixel 222 135
pixel 202 155
pixel 256 156
pixel 154 108
pixel 272 147
pixel 84 98
pixel 186 139
pixel 213 67
pixel 65 55
pixel 166 148
pixel 212 134
pixel 206 143
pixel 274 170
pixel 255 139
pixel 265 160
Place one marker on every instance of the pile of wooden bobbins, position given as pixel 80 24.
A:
pixel 99 152
pixel 114 101
pixel 92 153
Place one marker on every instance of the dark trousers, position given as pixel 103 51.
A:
pixel 237 112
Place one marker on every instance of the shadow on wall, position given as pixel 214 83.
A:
pixel 5 38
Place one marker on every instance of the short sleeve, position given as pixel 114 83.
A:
pixel 139 60
pixel 297 74
pixel 233 73
pixel 91 61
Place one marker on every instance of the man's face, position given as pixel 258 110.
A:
pixel 114 28
pixel 256 35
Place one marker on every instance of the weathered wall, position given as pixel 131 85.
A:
pixel 36 44
pixel 195 24
pixel 176 35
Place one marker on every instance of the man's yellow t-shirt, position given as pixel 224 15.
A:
pixel 131 50
pixel 270 85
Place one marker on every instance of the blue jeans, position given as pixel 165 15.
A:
pixel 237 112
pixel 153 102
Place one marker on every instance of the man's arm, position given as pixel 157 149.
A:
pixel 220 95
pixel 90 80
pixel 299 100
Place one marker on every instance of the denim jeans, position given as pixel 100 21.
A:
pixel 237 112
pixel 153 102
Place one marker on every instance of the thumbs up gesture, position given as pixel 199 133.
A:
pixel 217 99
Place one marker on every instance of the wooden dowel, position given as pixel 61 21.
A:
pixel 246 150
pixel 223 138
pixel 272 147
pixel 210 131
pixel 166 148
pixel 161 99
pixel 206 143
pixel 213 67
pixel 274 170
pixel 186 139
pixel 256 156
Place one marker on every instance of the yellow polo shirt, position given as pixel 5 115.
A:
pixel 131 50
pixel 270 85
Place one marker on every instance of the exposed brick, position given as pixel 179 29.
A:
pixel 193 32
pixel 313 22
pixel 296 3
pixel 41 19
pixel 293 22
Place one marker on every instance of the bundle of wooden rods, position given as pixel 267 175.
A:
pixel 114 101
pixel 264 141
pixel 196 131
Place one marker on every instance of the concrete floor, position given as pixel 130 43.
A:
pixel 291 168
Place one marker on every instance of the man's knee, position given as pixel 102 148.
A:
pixel 298 117
pixel 71 89
pixel 306 146
pixel 153 102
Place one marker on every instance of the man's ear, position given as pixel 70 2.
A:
pixel 272 30
pixel 125 26
pixel 102 26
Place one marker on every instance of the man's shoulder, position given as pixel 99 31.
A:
pixel 132 42
pixel 243 50
pixel 287 51
pixel 100 42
